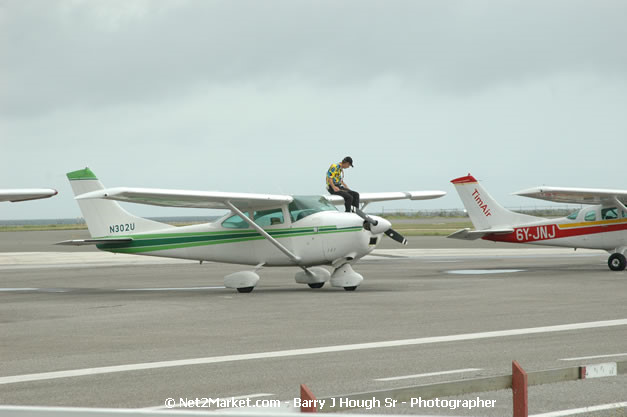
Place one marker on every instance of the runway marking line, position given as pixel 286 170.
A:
pixel 582 410
pixel 593 357
pixel 454 371
pixel 307 351
pixel 483 271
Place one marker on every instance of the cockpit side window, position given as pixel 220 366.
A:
pixel 591 216
pixel 609 213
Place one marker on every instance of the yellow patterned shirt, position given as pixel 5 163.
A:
pixel 336 173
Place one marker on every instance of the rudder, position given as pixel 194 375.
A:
pixel 105 217
pixel 484 211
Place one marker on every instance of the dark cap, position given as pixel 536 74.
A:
pixel 349 160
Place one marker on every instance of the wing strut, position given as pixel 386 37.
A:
pixel 265 234
pixel 620 204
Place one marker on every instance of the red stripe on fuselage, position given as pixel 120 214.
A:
pixel 551 231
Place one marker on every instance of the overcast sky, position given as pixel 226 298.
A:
pixel 262 96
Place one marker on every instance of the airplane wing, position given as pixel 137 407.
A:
pixel 575 195
pixel 193 199
pixel 376 197
pixel 26 194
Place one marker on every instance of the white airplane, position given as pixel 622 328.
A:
pixel 260 229
pixel 24 194
pixel 601 226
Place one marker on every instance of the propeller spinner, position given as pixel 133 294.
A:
pixel 378 225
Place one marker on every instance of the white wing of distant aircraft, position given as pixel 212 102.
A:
pixel 260 230
pixel 25 194
pixel 577 195
pixel 603 225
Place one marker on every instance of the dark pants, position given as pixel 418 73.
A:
pixel 351 198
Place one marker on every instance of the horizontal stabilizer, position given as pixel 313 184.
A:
pixel 82 242
pixel 467 234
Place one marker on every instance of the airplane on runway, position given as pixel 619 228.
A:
pixel 24 194
pixel 603 225
pixel 260 229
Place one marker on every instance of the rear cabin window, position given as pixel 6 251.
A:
pixel 573 215
pixel 591 216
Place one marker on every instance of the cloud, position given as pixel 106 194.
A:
pixel 57 54
pixel 263 96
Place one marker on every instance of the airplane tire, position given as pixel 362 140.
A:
pixel 350 288
pixel 316 285
pixel 617 262
pixel 245 289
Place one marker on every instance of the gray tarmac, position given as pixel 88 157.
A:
pixel 80 317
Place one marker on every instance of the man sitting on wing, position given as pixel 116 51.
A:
pixel 336 184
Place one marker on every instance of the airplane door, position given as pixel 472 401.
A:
pixel 592 215
pixel 610 239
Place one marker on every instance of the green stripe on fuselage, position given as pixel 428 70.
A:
pixel 151 243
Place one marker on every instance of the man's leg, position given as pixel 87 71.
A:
pixel 348 199
pixel 355 196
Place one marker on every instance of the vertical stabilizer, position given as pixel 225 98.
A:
pixel 483 210
pixel 105 217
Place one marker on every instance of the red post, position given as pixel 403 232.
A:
pixel 519 390
pixel 308 400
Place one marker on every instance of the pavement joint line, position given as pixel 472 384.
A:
pixel 582 410
pixel 171 289
pixel 306 351
pixel 454 371
pixel 594 357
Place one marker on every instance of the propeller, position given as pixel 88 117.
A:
pixel 393 234
pixel 381 225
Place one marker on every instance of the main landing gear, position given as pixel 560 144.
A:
pixel 617 262
pixel 342 277
pixel 315 276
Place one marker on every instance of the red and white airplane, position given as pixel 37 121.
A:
pixel 603 225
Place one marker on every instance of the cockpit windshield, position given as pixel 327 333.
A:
pixel 306 205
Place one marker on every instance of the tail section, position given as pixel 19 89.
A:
pixel 105 217
pixel 483 210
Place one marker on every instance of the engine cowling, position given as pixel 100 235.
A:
pixel 381 227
